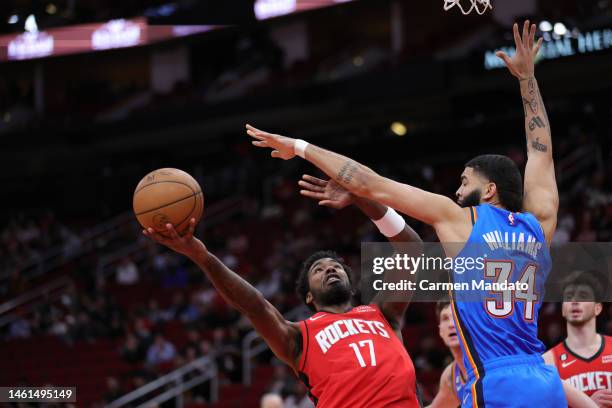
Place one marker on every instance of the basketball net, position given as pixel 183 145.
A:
pixel 479 5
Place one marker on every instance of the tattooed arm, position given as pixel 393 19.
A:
pixel 450 221
pixel 541 197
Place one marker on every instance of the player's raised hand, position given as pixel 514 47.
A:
pixel 328 193
pixel 603 398
pixel 187 244
pixel 522 64
pixel 282 147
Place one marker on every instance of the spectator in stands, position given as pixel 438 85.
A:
pixel 20 329
pixel 142 330
pixel 177 307
pixel 132 351
pixel 271 401
pixel 161 351
pixel 193 340
pixel 83 328
pixel 113 390
pixel 127 272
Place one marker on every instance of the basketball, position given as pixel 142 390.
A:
pixel 168 196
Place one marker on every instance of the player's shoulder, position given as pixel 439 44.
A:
pixel 447 375
pixel 549 356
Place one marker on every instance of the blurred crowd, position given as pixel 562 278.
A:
pixel 25 240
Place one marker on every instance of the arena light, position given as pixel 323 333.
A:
pixel 51 9
pixel 399 129
pixel 273 8
pixel 116 34
pixel 546 26
pixel 14 19
pixel 560 29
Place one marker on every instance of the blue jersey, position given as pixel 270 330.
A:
pixel 501 322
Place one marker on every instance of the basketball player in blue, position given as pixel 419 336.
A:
pixel 496 215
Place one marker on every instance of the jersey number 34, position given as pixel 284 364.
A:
pixel 502 305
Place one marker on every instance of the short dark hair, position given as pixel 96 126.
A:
pixel 302 286
pixel 441 305
pixel 502 171
pixel 587 278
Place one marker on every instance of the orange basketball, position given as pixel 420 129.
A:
pixel 168 196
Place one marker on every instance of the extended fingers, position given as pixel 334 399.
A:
pixel 254 129
pixel 329 203
pixel 310 186
pixel 312 194
pixel 314 180
pixel 260 143
pixel 257 134
pixel 536 48
pixel 526 33
pixel 532 33
pixel 517 36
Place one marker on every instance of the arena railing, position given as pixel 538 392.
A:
pixel 59 255
pixel 26 303
pixel 30 301
pixel 253 345
pixel 216 214
pixel 204 369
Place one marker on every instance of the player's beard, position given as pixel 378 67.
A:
pixel 336 294
pixel 471 200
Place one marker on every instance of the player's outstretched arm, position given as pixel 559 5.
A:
pixel 446 397
pixel 390 224
pixel 430 208
pixel 282 336
pixel 541 197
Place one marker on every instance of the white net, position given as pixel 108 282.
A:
pixel 479 5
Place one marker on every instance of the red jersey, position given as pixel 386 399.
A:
pixel 587 375
pixel 354 359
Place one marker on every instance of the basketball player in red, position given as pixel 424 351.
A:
pixel 584 358
pixel 453 378
pixel 346 356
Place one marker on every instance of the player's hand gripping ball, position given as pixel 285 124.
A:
pixel 168 196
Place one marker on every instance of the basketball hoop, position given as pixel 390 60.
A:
pixel 479 5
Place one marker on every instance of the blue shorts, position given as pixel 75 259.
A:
pixel 515 382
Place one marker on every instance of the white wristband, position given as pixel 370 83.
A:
pixel 299 147
pixel 391 223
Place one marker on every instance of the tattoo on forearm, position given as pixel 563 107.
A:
pixel 543 108
pixel 536 122
pixel 347 172
pixel 533 105
pixel 350 173
pixel 539 146
pixel 343 170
